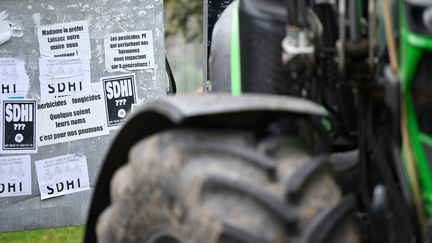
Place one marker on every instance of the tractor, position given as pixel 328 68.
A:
pixel 316 130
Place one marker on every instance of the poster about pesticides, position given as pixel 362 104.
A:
pixel 120 95
pixel 19 126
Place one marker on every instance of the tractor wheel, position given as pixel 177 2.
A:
pixel 201 185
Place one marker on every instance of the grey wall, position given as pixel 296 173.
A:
pixel 105 17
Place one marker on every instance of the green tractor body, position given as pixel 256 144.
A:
pixel 415 76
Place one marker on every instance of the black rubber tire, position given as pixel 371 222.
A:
pixel 190 185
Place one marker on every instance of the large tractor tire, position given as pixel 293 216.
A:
pixel 203 185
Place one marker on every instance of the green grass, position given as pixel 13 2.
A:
pixel 67 235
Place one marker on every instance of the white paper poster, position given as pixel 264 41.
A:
pixel 62 77
pixel 15 176
pixel 129 51
pixel 62 175
pixel 14 81
pixel 65 40
pixel 71 118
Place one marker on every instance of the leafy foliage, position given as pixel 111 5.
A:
pixel 184 17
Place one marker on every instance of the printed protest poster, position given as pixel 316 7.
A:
pixel 62 175
pixel 71 118
pixel 14 81
pixel 15 176
pixel 129 51
pixel 70 40
pixel 62 77
pixel 136 107
pixel 19 126
pixel 120 95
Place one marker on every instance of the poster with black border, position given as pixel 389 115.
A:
pixel 19 127
pixel 120 95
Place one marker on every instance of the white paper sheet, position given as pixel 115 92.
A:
pixel 71 118
pixel 15 176
pixel 62 77
pixel 65 40
pixel 129 51
pixel 62 175
pixel 14 81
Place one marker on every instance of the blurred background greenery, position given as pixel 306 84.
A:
pixel 184 43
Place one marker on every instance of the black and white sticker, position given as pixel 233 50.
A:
pixel 19 126
pixel 120 95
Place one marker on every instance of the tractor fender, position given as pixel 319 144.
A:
pixel 214 110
